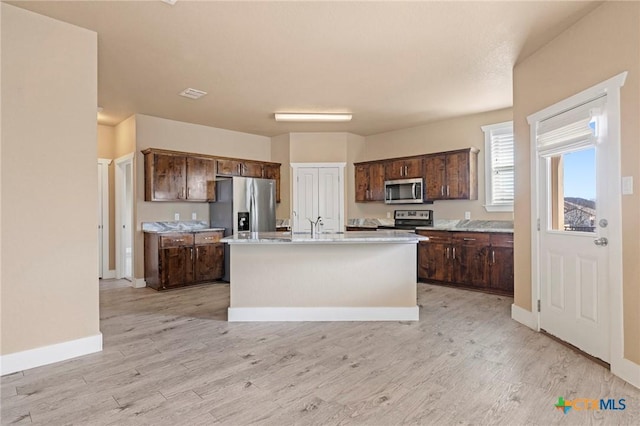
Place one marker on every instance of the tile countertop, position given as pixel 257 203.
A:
pixel 178 226
pixel 331 238
pixel 505 226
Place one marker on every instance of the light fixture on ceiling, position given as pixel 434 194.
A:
pixel 169 2
pixel 295 116
pixel 192 93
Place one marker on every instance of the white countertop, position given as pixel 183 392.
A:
pixel 359 237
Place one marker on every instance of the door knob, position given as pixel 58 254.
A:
pixel 601 242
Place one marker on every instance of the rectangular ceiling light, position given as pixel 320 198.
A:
pixel 281 116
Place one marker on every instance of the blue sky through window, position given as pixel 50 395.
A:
pixel 580 174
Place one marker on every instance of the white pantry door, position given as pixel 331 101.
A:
pixel 329 205
pixel 318 192
pixel 307 198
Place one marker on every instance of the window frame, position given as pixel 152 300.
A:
pixel 488 130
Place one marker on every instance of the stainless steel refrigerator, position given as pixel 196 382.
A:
pixel 243 205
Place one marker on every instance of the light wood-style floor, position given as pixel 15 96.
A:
pixel 172 359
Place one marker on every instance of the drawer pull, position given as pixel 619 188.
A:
pixel 179 240
pixel 510 241
pixel 469 239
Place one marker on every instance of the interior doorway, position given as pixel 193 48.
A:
pixel 124 217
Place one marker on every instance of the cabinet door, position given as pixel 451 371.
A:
pixel 272 171
pixel 469 255
pixel 251 169
pixel 376 182
pixel 457 176
pixel 176 266
pixel 228 167
pixel 362 183
pixel 209 262
pixel 201 173
pixel 501 261
pixel 168 178
pixel 413 168
pixel 434 256
pixel 502 269
pixel 436 261
pixel 434 177
pixel 394 170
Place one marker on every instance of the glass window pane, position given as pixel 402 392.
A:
pixel 573 191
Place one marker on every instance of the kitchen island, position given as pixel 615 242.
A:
pixel 354 276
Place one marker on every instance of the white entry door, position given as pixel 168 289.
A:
pixel 574 212
pixel 318 192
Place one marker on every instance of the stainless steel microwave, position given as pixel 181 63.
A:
pixel 404 191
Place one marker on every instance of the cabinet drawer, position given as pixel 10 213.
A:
pixel 208 237
pixel 176 240
pixel 478 238
pixel 436 236
pixel 502 240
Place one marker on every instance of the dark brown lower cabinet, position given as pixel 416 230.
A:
pixel 182 258
pixel 501 261
pixel 176 266
pixel 209 262
pixel 475 260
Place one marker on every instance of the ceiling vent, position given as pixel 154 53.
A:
pixel 192 93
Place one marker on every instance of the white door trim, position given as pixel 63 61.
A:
pixel 105 272
pixel 619 365
pixel 121 201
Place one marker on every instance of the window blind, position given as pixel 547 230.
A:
pixel 571 129
pixel 502 165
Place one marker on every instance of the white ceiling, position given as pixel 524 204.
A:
pixel 392 64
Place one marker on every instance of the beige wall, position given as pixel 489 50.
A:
pixel 154 132
pixel 280 154
pixel 329 147
pixel 125 137
pixel 49 241
pixel 445 135
pixel 603 44
pixel 106 149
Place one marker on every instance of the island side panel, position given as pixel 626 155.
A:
pixel 323 275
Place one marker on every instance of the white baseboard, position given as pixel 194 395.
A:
pixel 325 314
pixel 44 355
pixel 524 317
pixel 627 371
pixel 110 274
pixel 138 283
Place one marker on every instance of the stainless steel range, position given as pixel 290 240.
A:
pixel 410 219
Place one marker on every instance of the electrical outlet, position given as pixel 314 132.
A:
pixel 467 215
pixel 194 216
pixel 176 216
pixel 388 215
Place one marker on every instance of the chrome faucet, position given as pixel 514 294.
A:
pixel 314 225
